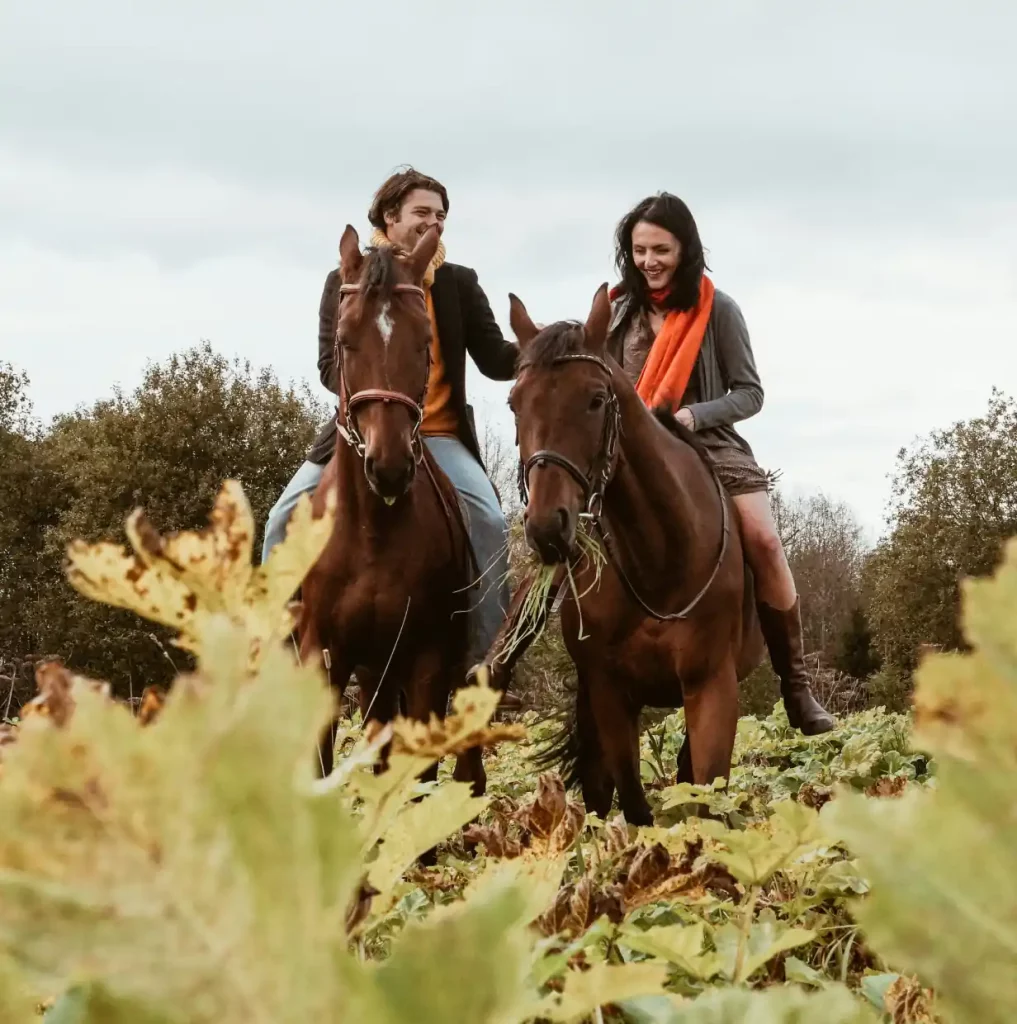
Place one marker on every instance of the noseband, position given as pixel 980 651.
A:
pixel 350 402
pixel 594 483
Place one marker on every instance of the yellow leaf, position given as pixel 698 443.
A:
pixel 182 579
pixel 420 826
pixel 942 860
pixel 600 985
pixel 465 728
pixel 539 879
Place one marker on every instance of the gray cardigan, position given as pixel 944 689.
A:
pixel 724 388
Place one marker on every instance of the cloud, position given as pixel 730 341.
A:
pixel 174 172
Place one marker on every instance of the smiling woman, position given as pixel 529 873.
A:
pixel 685 346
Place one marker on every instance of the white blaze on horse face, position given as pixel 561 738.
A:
pixel 385 323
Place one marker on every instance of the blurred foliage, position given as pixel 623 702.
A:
pixel 183 864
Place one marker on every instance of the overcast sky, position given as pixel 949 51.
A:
pixel 173 170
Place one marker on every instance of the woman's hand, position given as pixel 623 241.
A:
pixel 686 419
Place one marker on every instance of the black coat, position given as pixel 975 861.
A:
pixel 465 324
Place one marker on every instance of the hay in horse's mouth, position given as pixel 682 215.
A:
pixel 532 620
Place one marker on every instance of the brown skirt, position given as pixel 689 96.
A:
pixel 738 471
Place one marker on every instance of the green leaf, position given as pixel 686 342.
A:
pixel 800 971
pixel 466 962
pixel 875 986
pixel 93 1004
pixel 658 1009
pixel 587 991
pixel 764 940
pixel 776 1005
pixel 678 944
pixel 754 855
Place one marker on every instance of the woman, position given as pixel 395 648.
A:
pixel 685 344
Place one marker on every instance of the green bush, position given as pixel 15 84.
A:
pixel 194 421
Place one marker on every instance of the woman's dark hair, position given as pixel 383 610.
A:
pixel 389 198
pixel 670 213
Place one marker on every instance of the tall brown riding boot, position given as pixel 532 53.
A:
pixel 783 634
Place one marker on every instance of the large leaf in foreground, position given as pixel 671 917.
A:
pixel 190 868
pixel 186 864
pixel 182 579
pixel 943 862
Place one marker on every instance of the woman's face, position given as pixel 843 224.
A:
pixel 657 254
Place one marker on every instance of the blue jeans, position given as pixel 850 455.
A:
pixel 485 522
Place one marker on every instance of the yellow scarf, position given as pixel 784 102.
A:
pixel 379 240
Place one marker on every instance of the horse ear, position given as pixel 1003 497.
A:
pixel 598 321
pixel 523 327
pixel 419 260
pixel 350 257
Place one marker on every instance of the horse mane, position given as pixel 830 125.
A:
pixel 568 338
pixel 564 338
pixel 379 275
pixel 666 418
pixel 379 272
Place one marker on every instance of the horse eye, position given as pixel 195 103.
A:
pixel 597 402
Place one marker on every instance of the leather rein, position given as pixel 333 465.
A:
pixel 349 402
pixel 594 483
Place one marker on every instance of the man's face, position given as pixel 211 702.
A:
pixel 421 209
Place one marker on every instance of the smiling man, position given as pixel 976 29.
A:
pixel 403 209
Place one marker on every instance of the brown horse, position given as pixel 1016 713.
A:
pixel 671 619
pixel 387 599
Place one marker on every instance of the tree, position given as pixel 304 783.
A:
pixel 857 656
pixel 954 504
pixel 30 495
pixel 192 422
pixel 500 461
pixel 823 544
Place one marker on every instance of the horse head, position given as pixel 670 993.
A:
pixel 383 358
pixel 567 421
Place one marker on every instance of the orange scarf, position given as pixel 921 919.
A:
pixel 668 367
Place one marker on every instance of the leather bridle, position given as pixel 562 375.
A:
pixel 348 403
pixel 594 482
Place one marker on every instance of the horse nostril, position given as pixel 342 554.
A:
pixel 369 465
pixel 563 519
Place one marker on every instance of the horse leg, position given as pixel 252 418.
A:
pixel 617 720
pixel 470 764
pixel 380 707
pixel 427 693
pixel 338 675
pixel 470 768
pixel 685 760
pixel 711 719
pixel 594 776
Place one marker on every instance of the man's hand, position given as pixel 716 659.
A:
pixel 686 419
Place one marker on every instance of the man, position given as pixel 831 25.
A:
pixel 404 208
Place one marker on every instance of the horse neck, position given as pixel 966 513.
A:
pixel 657 507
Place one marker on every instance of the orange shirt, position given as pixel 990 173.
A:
pixel 439 414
